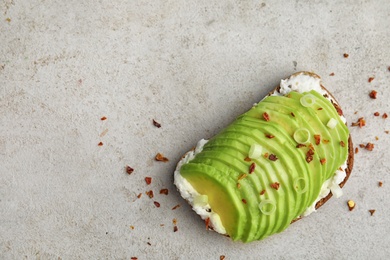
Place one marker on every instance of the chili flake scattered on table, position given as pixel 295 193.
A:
pixel 139 195
pixel 376 114
pixel 372 211
pixel 161 158
pixel 369 146
pixel 131 227
pixel 100 144
pixel 129 170
pixel 103 118
pixel 346 55
pixel 380 184
pixel 360 122
pixel 370 79
pixel 373 94
pixel 175 229
pixel 156 204
pixel 221 257
pixel 384 116
pixel 356 150
pixel 164 191
pixel 331 74
pixel 175 207
pixel 148 180
pixel 134 258
pixel 150 194
pixel 156 124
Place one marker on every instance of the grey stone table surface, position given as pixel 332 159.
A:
pixel 193 66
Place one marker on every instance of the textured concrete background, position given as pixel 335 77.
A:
pixel 193 66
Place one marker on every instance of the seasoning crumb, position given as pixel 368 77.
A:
pixel 100 144
pixel 156 124
pixel 360 122
pixel 376 114
pixel 134 258
pixel 351 205
pixel 323 161
pixel 149 243
pixel 262 192
pixel 175 229
pixel 376 138
pixel 174 221
pixel 139 195
pixel 175 207
pixel 156 204
pixel 292 114
pixel 150 194
pixel 129 170
pixel 275 185
pixel 317 139
pixel 269 136
pixel 273 157
pixel 370 79
pixel 164 191
pixel 247 159
pixel 346 55
pixel 8 20
pixel 380 184
pixel 331 74
pixel 372 211
pixel 148 180
pixel 221 257
pixel 161 158
pixel 387 132
pixel 243 201
pixel 373 94
pixel 369 146
pixel 356 150
pixel 132 227
pixel 266 116
pixel 384 116
pixel 103 118
pixel 252 168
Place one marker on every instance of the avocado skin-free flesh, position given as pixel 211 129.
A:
pixel 217 171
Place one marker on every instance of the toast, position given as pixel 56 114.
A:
pixel 252 203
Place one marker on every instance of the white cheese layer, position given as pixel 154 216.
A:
pixel 300 82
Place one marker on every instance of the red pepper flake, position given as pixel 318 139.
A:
pixel 134 258
pixel 360 122
pixel 309 155
pixel 372 211
pixel 273 157
pixel 269 136
pixel 331 74
pixel 370 79
pixel 207 222
pixel 356 150
pixel 175 207
pixel 376 114
pixel 369 146
pixel 161 158
pixel 266 116
pixel 252 168
pixel 103 118
pixel 164 191
pixel 346 55
pixel 292 114
pixel 325 141
pixel 317 138
pixel 275 185
pixel 139 195
pixel 262 192
pixel 265 155
pixel 100 144
pixel 156 204
pixel 221 257
pixel 156 124
pixel 342 143
pixel 320 108
pixel 243 201
pixel 129 170
pixel 300 145
pixel 323 161
pixel 387 132
pixel 373 94
pixel 384 116
pixel 175 229
pixel 148 180
pixel 362 145
pixel 380 184
pixel 150 194
pixel 247 159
